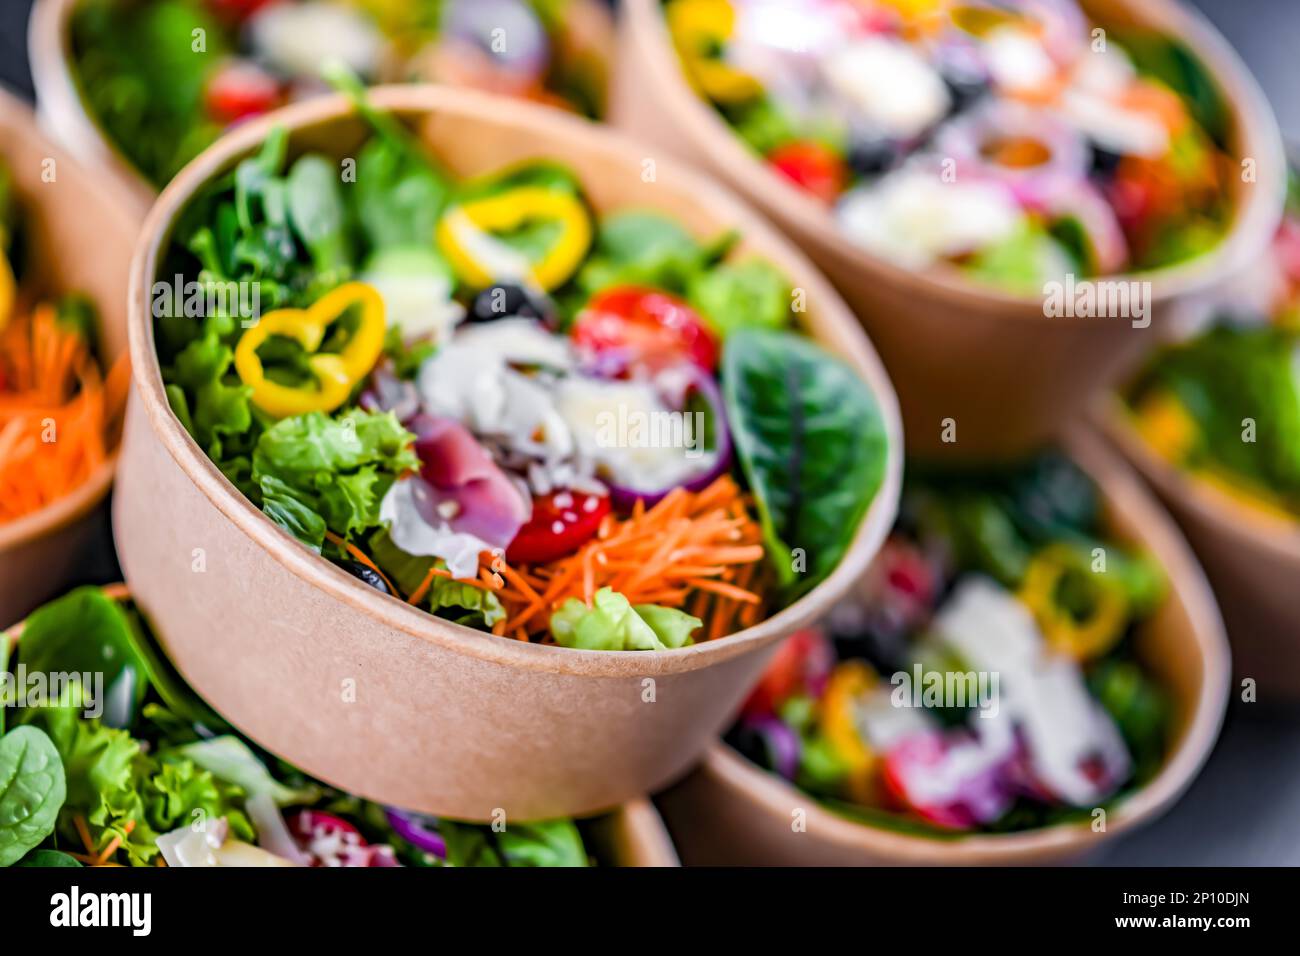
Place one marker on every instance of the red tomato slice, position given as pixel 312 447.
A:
pixel 648 328
pixel 811 166
pixel 562 522
pixel 240 89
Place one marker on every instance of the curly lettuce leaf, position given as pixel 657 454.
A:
pixel 614 624
pixel 317 472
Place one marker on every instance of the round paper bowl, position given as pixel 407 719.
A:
pixel 1251 556
pixel 366 692
pixel 631 835
pixel 730 811
pixel 1008 375
pixel 81 235
pixel 63 111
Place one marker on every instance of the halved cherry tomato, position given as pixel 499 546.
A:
pixel 811 166
pixel 240 89
pixel 562 522
pixel 646 328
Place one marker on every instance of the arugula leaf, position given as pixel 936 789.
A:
pixel 32 789
pixel 812 445
pixel 87 632
pixel 317 472
pixel 613 624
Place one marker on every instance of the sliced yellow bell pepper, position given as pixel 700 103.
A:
pixel 7 290
pixel 699 28
pixel 1167 426
pixel 336 373
pixel 1081 639
pixel 467 235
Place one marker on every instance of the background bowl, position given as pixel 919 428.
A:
pixel 360 689
pixel 81 233
pixel 62 110
pixel 630 835
pixel 731 811
pixel 1008 375
pixel 1251 556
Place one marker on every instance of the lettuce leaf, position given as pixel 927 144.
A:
pixel 230 759
pixel 452 600
pixel 613 624
pixel 549 843
pixel 316 472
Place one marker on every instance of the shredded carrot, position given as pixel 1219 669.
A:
pixel 691 550
pixel 362 557
pixel 59 416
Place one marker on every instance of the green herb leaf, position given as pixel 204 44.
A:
pixel 32 789
pixel 812 445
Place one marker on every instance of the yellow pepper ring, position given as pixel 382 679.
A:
pixel 1081 640
pixel 849 681
pixel 7 286
pixel 698 28
pixel 465 235
pixel 335 373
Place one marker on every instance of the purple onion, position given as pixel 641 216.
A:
pixel 703 383
pixel 783 745
pixel 417 830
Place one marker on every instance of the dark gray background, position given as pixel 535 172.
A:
pixel 1245 807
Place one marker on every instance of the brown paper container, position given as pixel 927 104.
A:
pixel 1251 557
pixel 81 234
pixel 1008 375
pixel 630 835
pixel 732 812
pixel 366 692
pixel 63 112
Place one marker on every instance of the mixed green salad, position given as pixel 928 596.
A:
pixel 108 758
pixel 485 400
pixel 163 78
pixel 1014 139
pixel 1225 405
pixel 984 678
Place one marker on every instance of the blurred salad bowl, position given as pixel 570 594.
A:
pixel 1111 686
pixel 64 257
pixel 114 757
pixel 110 97
pixel 1213 423
pixel 668 579
pixel 968 173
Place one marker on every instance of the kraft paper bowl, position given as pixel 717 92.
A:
pixel 63 112
pixel 1251 556
pixel 80 233
pixel 730 811
pixel 630 835
pixel 358 688
pixel 1007 374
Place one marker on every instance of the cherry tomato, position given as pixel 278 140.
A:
pixel 236 11
pixel 562 522
pixel 812 167
pixel 804 659
pixel 241 89
pixel 647 328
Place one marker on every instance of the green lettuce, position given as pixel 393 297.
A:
pixel 614 624
pixel 317 472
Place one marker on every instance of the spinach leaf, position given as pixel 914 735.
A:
pixel 32 789
pixel 48 858
pixel 176 694
pixel 811 442
pixel 318 213
pixel 87 632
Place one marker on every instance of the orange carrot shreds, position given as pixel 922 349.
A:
pixel 691 550
pixel 60 417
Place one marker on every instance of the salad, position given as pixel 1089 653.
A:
pixel 163 78
pixel 483 399
pixel 1225 405
pixel 1017 141
pixel 107 758
pixel 984 677
pixel 60 411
